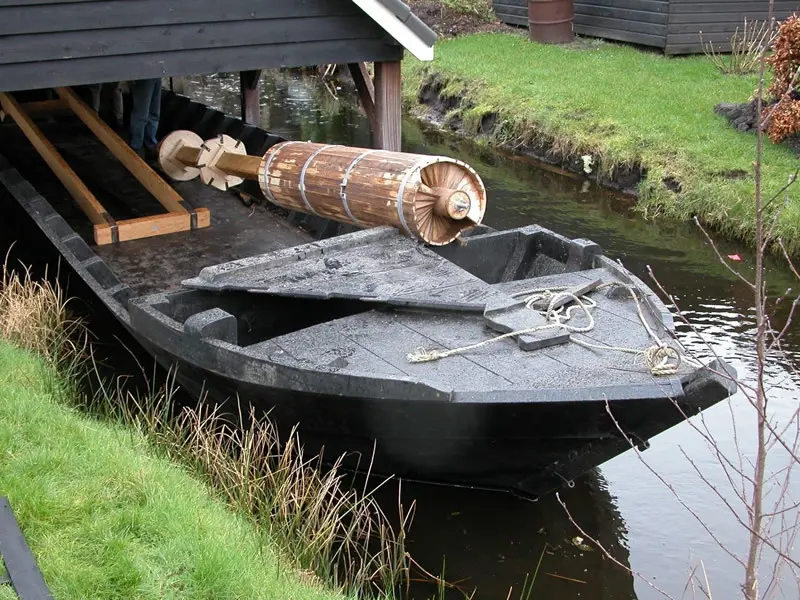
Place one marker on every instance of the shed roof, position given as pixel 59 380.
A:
pixel 402 24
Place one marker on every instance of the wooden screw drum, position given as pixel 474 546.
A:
pixel 431 198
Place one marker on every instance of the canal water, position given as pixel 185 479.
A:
pixel 641 509
pixel 492 543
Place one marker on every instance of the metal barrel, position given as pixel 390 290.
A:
pixel 550 21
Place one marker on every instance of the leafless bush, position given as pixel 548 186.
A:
pixel 746 48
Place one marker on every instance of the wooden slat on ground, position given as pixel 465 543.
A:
pixel 160 189
pixel 20 564
pixel 77 189
pixel 41 108
pixel 179 216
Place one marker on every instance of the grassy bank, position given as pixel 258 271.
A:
pixel 126 495
pixel 108 519
pixel 623 107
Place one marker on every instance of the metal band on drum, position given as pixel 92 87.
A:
pixel 265 171
pixel 343 185
pixel 303 175
pixel 400 200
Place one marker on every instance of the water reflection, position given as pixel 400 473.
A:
pixel 487 542
pixel 491 541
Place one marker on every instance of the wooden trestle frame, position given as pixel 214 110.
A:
pixel 179 216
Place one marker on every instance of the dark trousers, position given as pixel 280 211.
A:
pixel 146 96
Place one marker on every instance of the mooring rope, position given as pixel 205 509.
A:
pixel 660 358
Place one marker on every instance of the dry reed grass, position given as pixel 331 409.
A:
pixel 34 316
pixel 330 530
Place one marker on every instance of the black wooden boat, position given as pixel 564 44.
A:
pixel 329 327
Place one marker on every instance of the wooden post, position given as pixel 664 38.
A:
pixel 388 105
pixel 249 93
pixel 366 92
pixel 177 85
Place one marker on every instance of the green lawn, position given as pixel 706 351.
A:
pixel 623 106
pixel 106 519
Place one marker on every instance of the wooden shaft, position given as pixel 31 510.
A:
pixel 77 189
pixel 239 165
pixel 188 155
pixel 160 189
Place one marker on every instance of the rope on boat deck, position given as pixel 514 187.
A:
pixel 660 358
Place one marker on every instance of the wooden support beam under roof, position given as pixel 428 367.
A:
pixel 366 91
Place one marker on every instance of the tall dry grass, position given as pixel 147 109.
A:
pixel 34 316
pixel 333 531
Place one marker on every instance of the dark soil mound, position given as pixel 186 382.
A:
pixel 745 118
pixel 448 22
pixel 741 116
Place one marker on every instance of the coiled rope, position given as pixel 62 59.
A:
pixel 660 358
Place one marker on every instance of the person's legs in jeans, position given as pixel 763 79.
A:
pixel 141 94
pixel 95 90
pixel 150 140
pixel 116 102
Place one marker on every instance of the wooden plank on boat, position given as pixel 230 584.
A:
pixel 160 189
pixel 142 227
pixel 505 315
pixel 576 290
pixel 378 265
pixel 385 335
pixel 20 563
pixel 77 189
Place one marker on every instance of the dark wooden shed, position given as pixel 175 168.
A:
pixel 674 26
pixel 52 43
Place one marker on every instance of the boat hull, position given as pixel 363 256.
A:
pixel 529 449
